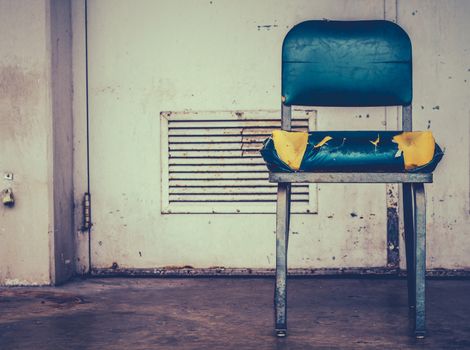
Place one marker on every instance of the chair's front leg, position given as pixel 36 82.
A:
pixel 420 259
pixel 282 237
pixel 409 242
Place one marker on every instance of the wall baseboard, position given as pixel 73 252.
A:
pixel 247 272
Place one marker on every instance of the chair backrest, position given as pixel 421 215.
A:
pixel 346 63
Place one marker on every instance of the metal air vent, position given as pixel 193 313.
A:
pixel 211 162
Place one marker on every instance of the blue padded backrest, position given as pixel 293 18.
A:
pixel 346 63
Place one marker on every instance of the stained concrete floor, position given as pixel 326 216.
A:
pixel 224 313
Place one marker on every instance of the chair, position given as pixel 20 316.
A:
pixel 347 64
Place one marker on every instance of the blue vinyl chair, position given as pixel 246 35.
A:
pixel 347 64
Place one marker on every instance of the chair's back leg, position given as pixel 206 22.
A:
pixel 407 125
pixel 282 237
pixel 420 258
pixel 409 242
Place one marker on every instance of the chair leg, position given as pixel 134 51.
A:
pixel 409 242
pixel 420 259
pixel 282 238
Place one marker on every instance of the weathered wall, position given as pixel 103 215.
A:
pixel 221 55
pixel 36 239
pixel 441 52
pixel 207 56
pixel 35 142
pixel 24 142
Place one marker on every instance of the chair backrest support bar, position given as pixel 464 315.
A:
pixel 286 117
pixel 406 118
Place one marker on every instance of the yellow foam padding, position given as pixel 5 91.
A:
pixel 376 142
pixel 290 147
pixel 322 142
pixel 417 147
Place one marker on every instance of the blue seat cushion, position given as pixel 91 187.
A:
pixel 353 151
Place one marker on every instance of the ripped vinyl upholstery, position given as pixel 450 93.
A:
pixel 351 151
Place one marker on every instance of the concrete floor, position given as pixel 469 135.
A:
pixel 224 313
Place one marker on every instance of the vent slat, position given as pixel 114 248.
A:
pixel 216 161
pixel 232 146
pixel 215 154
pixel 224 183
pixel 218 176
pixel 233 200
pixel 216 139
pixel 233 197
pixel 274 124
pixel 262 131
pixel 216 168
pixel 232 190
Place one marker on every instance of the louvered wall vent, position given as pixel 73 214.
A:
pixel 211 162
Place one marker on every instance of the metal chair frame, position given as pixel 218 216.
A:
pixel 414 210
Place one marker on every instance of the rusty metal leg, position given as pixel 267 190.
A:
pixel 409 242
pixel 282 238
pixel 420 259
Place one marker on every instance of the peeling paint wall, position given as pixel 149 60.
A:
pixel 35 142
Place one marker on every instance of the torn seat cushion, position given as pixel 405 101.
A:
pixel 351 151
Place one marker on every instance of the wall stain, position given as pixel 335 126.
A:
pixel 267 26
pixel 20 91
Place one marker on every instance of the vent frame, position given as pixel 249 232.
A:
pixel 235 133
